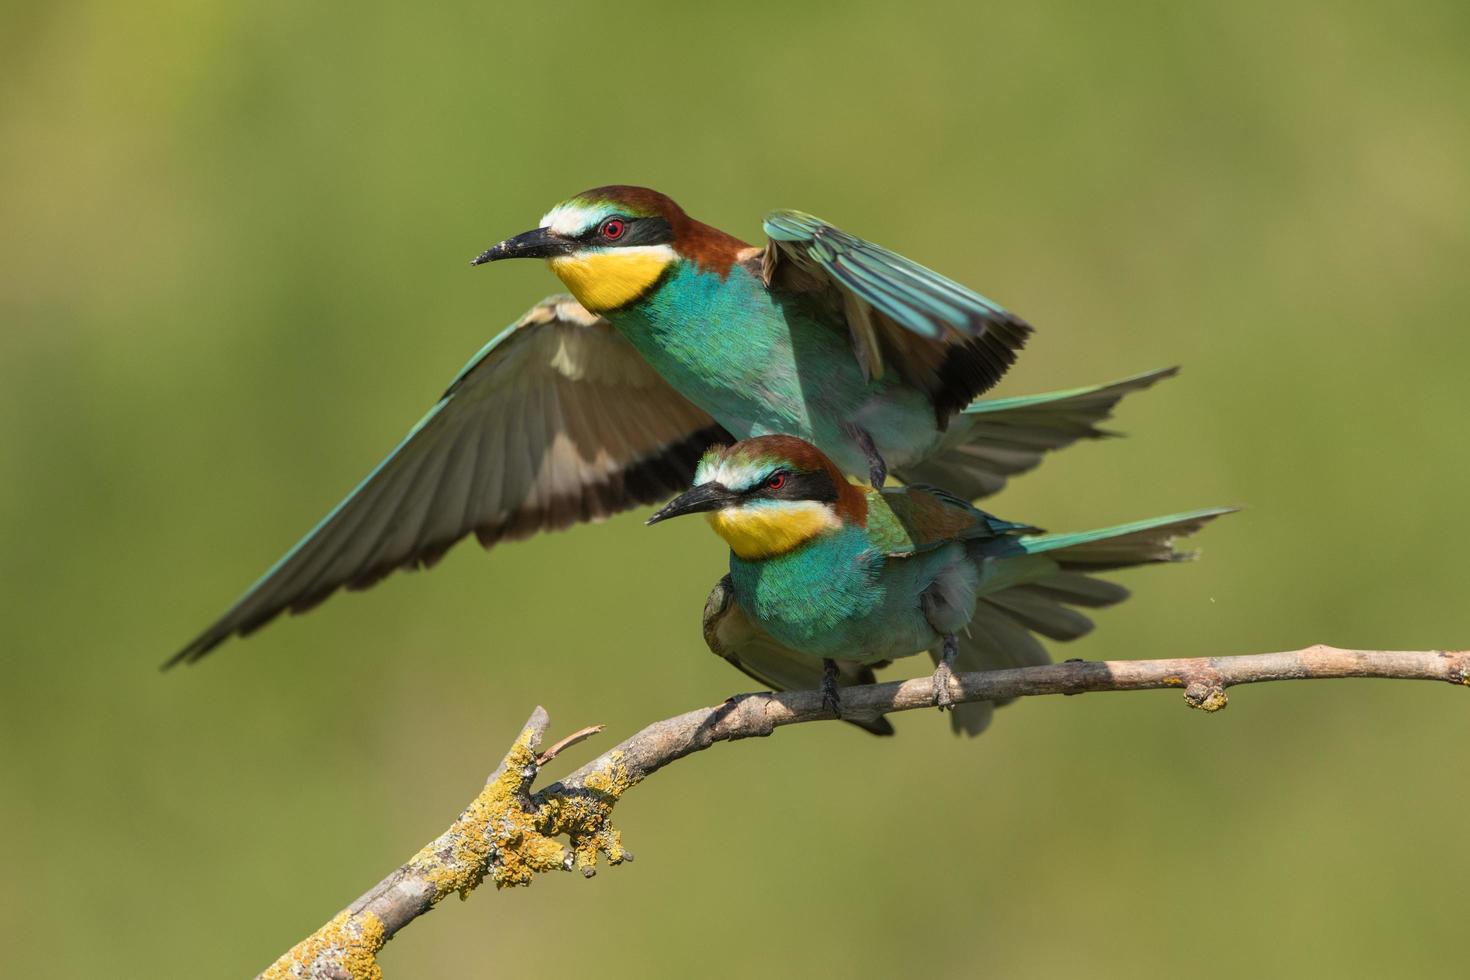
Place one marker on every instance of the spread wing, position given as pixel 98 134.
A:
pixel 732 635
pixel 945 338
pixel 557 420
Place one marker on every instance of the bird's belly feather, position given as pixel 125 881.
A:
pixel 838 597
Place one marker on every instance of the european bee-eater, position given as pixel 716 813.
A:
pixel 829 578
pixel 684 336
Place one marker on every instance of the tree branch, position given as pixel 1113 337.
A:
pixel 509 834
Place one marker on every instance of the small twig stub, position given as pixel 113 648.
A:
pixel 568 742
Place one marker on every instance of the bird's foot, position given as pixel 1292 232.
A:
pixel 944 673
pixel 877 468
pixel 943 699
pixel 830 701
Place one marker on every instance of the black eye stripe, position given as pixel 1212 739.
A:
pixel 817 487
pixel 636 231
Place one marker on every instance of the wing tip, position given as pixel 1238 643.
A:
pixel 192 653
pixel 172 662
pixel 206 643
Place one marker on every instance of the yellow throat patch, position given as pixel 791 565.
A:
pixel 754 533
pixel 607 280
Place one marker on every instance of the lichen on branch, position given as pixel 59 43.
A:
pixel 510 835
pixel 345 948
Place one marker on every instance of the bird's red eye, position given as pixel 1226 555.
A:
pixel 613 228
pixel 775 481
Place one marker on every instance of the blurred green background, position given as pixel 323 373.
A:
pixel 234 272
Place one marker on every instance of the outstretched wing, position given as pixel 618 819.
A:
pixel 732 635
pixel 944 338
pixel 555 421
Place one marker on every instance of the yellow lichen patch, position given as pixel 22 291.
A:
pixel 1215 700
pixel 494 829
pixel 1206 695
pixel 525 851
pixel 361 958
pixel 351 941
pixel 612 780
pixel 585 815
pixel 500 833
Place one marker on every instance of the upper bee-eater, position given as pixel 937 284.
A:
pixel 682 336
pixel 829 578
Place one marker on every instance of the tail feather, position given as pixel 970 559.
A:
pixel 1137 543
pixel 995 439
pixel 1076 589
pixel 1049 617
pixel 1035 592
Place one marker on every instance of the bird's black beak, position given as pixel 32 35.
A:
pixel 706 496
pixel 540 243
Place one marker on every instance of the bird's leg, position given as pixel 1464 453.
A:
pixel 944 673
pixel 877 469
pixel 830 701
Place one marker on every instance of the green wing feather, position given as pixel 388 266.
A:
pixel 906 520
pixel 944 337
pixel 555 421
pixel 920 299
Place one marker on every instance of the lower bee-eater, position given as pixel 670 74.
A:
pixel 829 579
pixel 682 336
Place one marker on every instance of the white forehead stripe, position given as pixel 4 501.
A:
pixel 733 474
pixel 571 219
